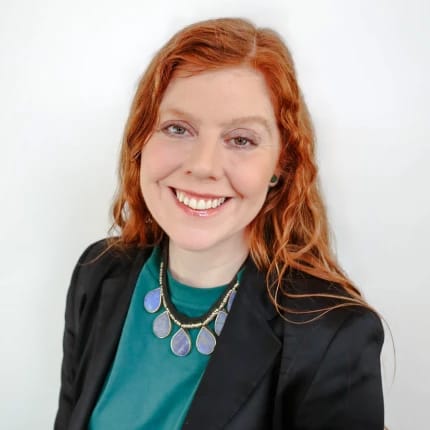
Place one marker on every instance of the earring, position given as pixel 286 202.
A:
pixel 273 180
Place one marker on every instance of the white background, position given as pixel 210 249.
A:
pixel 68 71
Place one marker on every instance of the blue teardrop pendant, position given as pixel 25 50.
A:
pixel 220 321
pixel 231 300
pixel 180 344
pixel 162 325
pixel 205 342
pixel 152 300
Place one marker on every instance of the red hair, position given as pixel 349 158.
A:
pixel 291 230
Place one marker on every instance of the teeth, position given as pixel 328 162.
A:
pixel 200 204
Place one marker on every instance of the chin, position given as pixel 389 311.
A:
pixel 197 240
pixel 192 244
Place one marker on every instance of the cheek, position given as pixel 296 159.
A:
pixel 248 184
pixel 254 170
pixel 157 162
pixel 251 178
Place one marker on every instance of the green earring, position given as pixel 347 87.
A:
pixel 273 180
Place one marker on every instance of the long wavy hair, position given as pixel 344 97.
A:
pixel 291 230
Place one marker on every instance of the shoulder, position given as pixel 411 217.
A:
pixel 327 309
pixel 103 259
pixel 332 354
pixel 307 301
pixel 314 315
pixel 99 262
pixel 104 253
pixel 325 337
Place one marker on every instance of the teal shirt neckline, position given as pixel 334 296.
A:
pixel 148 386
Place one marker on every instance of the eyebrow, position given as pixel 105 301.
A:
pixel 235 121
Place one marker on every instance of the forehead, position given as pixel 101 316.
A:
pixel 220 95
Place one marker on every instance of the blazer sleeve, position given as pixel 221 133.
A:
pixel 346 390
pixel 66 397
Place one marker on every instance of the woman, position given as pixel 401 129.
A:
pixel 219 305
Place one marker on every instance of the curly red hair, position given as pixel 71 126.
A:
pixel 291 230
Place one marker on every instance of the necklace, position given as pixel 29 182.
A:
pixel 180 343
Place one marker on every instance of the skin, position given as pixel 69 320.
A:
pixel 203 146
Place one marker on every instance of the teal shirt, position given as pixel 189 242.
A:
pixel 149 387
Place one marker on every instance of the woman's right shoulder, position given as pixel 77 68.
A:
pixel 100 260
pixel 106 254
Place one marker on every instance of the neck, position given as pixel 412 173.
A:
pixel 206 268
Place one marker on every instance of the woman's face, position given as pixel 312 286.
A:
pixel 205 171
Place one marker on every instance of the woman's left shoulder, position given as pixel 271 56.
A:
pixel 330 359
pixel 312 314
pixel 326 306
pixel 322 335
pixel 308 305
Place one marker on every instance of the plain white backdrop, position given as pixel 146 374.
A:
pixel 68 71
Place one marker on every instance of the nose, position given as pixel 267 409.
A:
pixel 204 160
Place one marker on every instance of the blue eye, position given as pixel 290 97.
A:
pixel 242 142
pixel 175 129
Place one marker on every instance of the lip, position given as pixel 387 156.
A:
pixel 198 195
pixel 202 213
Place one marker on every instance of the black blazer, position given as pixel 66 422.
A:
pixel 265 373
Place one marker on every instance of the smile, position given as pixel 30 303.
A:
pixel 198 203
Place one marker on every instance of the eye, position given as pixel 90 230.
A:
pixel 175 129
pixel 242 142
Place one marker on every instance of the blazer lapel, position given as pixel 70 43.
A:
pixel 115 297
pixel 245 351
